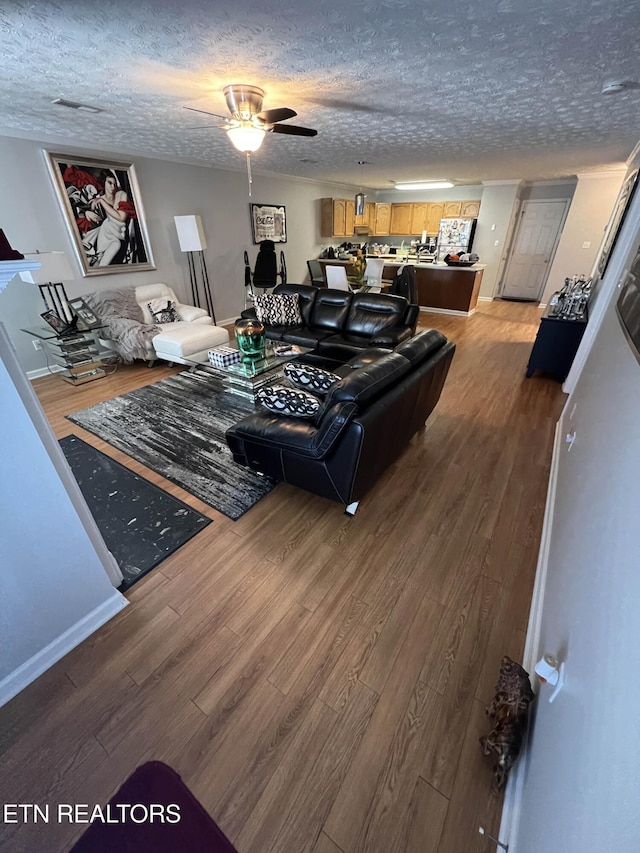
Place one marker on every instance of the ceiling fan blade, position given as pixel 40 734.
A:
pixel 278 114
pixel 216 115
pixel 208 127
pixel 293 130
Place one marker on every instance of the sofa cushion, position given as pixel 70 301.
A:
pixel 423 345
pixel 371 312
pixel 278 309
pixel 310 378
pixel 368 382
pixel 303 336
pixel 288 401
pixel 342 347
pixel 330 310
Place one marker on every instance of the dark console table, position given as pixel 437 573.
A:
pixel 556 345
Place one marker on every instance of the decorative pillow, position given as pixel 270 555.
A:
pixel 163 311
pixel 278 309
pixel 288 401
pixel 310 378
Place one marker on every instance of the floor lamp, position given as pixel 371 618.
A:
pixel 192 241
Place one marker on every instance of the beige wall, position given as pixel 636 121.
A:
pixel 591 206
pixel 32 219
pixel 499 208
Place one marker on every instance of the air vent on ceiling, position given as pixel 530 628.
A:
pixel 74 105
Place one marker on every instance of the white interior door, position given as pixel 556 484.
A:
pixel 533 249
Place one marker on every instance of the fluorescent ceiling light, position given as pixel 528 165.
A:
pixel 74 105
pixel 425 185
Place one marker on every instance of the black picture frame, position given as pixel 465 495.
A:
pixel 59 326
pixel 623 202
pixel 268 222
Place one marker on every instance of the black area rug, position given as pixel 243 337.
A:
pixel 176 427
pixel 140 523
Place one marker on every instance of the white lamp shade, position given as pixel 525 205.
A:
pixel 54 267
pixel 246 137
pixel 190 233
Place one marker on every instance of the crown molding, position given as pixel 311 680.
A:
pixel 605 173
pixel 501 183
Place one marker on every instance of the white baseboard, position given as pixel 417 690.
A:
pixel 485 298
pixel 512 807
pixel 447 311
pixel 72 637
pixel 44 371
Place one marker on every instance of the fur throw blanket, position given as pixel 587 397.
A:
pixel 124 322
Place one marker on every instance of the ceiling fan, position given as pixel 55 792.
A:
pixel 249 122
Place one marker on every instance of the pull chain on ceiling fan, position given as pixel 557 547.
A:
pixel 360 196
pixel 249 122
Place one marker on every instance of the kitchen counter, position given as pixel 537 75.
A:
pixel 443 289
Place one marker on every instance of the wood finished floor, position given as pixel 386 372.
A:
pixel 318 681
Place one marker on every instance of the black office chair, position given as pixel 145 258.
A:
pixel 404 284
pixel 265 272
pixel 315 274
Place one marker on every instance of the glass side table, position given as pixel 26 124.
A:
pixel 81 355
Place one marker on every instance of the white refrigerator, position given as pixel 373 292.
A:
pixel 455 236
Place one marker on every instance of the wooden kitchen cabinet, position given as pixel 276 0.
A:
pixel 470 208
pixel 435 212
pixel 403 219
pixel 452 208
pixel 349 217
pixel 333 217
pixel 366 218
pixel 400 219
pixel 382 220
pixel 418 217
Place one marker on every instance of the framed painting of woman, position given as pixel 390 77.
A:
pixel 101 204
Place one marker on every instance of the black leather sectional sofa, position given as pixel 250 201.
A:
pixel 368 418
pixel 337 323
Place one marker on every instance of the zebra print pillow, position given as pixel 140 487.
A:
pixel 288 401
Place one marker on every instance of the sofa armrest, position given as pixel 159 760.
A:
pixel 190 312
pixel 292 434
pixel 390 337
pixel 411 317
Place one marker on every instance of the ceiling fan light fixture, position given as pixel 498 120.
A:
pixel 246 137
pixel 425 185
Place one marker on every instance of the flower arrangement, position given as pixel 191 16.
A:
pixel 357 266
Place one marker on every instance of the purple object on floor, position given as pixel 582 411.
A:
pixel 154 784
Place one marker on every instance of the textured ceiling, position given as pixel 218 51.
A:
pixel 470 91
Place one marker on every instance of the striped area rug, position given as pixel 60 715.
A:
pixel 176 427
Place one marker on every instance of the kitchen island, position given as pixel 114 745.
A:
pixel 443 289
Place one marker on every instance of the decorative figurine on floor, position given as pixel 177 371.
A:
pixel 509 711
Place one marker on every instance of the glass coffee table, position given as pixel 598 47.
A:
pixel 246 378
